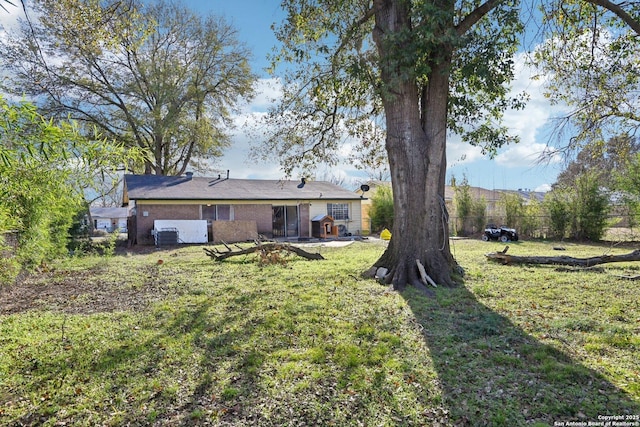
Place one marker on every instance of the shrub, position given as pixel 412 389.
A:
pixel 470 212
pixel 381 211
pixel 558 214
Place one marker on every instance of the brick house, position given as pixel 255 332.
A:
pixel 237 209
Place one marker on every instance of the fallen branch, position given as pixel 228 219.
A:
pixel 636 277
pixel 563 269
pixel 265 248
pixel 562 260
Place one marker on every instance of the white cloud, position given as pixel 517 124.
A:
pixel 521 155
pixel 528 121
pixel 543 188
pixel 267 92
pixel 529 124
pixel 460 153
pixel 9 17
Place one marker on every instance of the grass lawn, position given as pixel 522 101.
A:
pixel 173 338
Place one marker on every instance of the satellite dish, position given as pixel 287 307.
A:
pixel 364 188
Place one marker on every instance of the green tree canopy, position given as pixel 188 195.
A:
pixel 158 76
pixel 381 211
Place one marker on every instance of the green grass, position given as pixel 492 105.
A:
pixel 127 340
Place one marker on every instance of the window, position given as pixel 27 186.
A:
pixel 217 212
pixel 338 210
pixel 223 213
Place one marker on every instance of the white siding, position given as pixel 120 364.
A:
pixel 353 224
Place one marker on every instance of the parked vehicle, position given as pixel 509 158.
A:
pixel 502 233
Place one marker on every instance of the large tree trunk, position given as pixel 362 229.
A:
pixel 416 142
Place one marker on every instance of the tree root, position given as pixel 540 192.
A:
pixel 399 278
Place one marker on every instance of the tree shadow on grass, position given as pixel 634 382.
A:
pixel 494 373
pixel 232 355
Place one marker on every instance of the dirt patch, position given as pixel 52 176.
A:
pixel 76 292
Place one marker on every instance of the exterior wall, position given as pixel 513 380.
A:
pixel 305 219
pixel 261 214
pixel 353 224
pixel 122 224
pixel 161 211
pixel 102 224
pixel 110 224
pixel 365 218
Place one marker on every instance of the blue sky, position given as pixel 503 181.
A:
pixel 514 167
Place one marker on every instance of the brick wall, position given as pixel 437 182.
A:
pixel 261 214
pixel 145 223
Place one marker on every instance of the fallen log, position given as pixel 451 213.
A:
pixel 261 247
pixel 562 260
pixel 636 277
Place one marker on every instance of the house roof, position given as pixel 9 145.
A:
pixel 158 187
pixel 322 217
pixel 109 212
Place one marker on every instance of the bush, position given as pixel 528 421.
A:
pixel 513 206
pixel 579 210
pixel 381 211
pixel 470 212
pixel 591 207
pixel 557 208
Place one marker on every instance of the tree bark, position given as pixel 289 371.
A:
pixel 562 260
pixel 416 142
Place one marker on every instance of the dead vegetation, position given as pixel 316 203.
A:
pixel 269 252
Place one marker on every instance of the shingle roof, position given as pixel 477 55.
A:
pixel 109 212
pixel 157 187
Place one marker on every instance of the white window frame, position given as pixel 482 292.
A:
pixel 341 208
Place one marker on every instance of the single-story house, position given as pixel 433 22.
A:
pixel 236 209
pixel 109 219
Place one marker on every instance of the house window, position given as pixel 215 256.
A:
pixel 217 212
pixel 223 213
pixel 338 211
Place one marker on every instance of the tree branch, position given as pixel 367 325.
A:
pixel 619 12
pixel 260 247
pixel 471 19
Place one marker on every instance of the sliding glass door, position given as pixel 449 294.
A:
pixel 285 221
